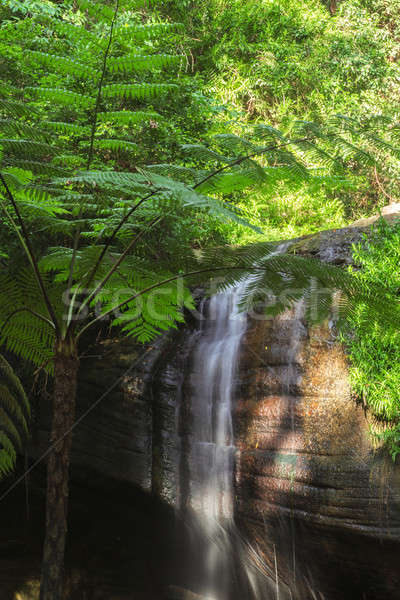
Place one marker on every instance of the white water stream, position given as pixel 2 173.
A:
pixel 211 464
pixel 212 450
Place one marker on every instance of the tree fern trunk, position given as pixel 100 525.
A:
pixel 65 379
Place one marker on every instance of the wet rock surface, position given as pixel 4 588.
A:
pixel 310 487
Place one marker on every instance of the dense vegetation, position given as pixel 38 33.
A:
pixel 277 61
pixel 373 349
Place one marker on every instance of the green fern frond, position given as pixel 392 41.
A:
pixel 137 91
pixel 67 128
pixel 293 164
pixel 139 63
pixel 185 174
pixel 96 10
pixel 7 90
pixel 14 417
pixel 131 183
pixel 153 313
pixel 58 261
pixel 317 153
pixel 235 143
pixel 381 144
pixel 11 127
pixel 289 278
pixel 349 151
pixel 235 180
pixel 15 108
pixel 117 145
pixel 269 134
pixel 62 96
pixel 192 198
pixel 202 153
pixel 25 147
pixel 23 333
pixel 40 201
pixel 141 33
pixel 37 167
pixel 72 32
pixel 62 64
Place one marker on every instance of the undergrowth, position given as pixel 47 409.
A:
pixel 374 349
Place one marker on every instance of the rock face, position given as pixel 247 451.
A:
pixel 310 487
pixel 312 494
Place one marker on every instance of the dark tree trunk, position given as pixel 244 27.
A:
pixel 332 5
pixel 65 379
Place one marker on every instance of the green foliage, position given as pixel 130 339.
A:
pixel 286 60
pixel 373 347
pixel 14 417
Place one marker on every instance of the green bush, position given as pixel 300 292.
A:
pixel 275 61
pixel 374 349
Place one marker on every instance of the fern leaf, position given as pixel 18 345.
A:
pixel 234 143
pixel 75 33
pixel 137 91
pixel 14 417
pixel 202 153
pixel 149 31
pixel 39 201
pixel 185 174
pixel 139 63
pixel 62 96
pixel 190 197
pixel 12 128
pixel 15 108
pixel 23 333
pixel 97 10
pixel 38 167
pixel 129 182
pixel 7 90
pixel 118 145
pixel 61 64
pixel 25 147
pixel 269 133
pixel 67 128
pixel 235 180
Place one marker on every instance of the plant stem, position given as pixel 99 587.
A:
pixel 66 365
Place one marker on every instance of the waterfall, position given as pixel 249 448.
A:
pixel 211 450
pixel 212 444
pixel 196 470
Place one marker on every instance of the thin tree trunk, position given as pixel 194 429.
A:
pixel 333 7
pixel 65 378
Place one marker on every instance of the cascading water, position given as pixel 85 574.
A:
pixel 211 453
pixel 225 567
